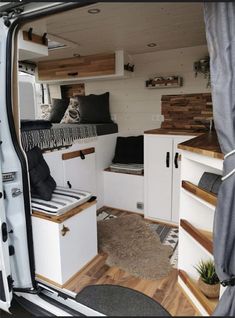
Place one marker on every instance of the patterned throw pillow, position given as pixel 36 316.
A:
pixel 72 114
pixel 45 111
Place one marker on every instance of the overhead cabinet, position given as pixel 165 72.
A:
pixel 162 176
pixel 98 66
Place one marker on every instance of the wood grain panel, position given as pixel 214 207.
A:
pixel 202 194
pixel 77 153
pixel 206 145
pixel 208 304
pixel 76 67
pixel 72 90
pixel 61 218
pixel 189 111
pixel 202 237
pixel 35 38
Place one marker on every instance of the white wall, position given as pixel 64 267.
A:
pixel 136 108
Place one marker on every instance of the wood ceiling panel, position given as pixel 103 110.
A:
pixel 128 26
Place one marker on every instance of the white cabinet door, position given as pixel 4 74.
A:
pixel 81 174
pixel 158 176
pixel 176 164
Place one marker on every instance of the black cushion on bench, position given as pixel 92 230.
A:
pixel 129 150
pixel 42 183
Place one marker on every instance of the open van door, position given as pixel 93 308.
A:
pixel 5 271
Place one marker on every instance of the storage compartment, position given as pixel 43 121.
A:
pixel 64 244
pixel 124 191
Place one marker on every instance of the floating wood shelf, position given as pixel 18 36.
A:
pixel 202 237
pixel 208 304
pixel 202 194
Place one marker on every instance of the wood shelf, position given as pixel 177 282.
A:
pixel 202 237
pixel 208 304
pixel 202 194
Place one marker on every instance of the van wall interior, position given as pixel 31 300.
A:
pixel 136 108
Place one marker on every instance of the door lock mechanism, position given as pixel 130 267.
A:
pixel 15 192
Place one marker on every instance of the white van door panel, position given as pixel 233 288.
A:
pixel 5 271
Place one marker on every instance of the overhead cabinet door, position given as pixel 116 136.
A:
pixel 158 177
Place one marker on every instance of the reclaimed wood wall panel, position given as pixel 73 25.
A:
pixel 77 67
pixel 188 111
pixel 72 90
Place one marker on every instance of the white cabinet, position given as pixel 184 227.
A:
pixel 62 245
pixel 162 176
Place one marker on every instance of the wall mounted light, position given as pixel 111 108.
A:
pixel 152 44
pixel 93 11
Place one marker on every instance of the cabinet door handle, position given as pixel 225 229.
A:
pixel 168 159
pixel 176 160
pixel 64 230
pixel 73 74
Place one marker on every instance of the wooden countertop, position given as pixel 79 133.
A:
pixel 206 144
pixel 166 131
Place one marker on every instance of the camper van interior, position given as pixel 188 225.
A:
pixel 115 119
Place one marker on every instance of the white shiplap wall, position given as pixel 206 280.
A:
pixel 136 108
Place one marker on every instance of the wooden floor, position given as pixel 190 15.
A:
pixel 166 291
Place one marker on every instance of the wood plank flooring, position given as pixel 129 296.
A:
pixel 166 291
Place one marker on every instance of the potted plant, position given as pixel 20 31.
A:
pixel 208 281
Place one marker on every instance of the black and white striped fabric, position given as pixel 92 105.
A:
pixel 63 200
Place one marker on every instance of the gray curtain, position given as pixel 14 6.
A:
pixel 220 32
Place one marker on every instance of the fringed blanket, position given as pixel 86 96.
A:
pixel 59 136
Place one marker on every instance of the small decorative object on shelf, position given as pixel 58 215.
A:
pixel 164 82
pixel 129 67
pixel 203 66
pixel 208 281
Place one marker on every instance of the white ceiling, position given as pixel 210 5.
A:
pixel 128 26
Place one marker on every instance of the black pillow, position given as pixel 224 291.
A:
pixel 210 182
pixel 129 150
pixel 94 108
pixel 42 183
pixel 58 109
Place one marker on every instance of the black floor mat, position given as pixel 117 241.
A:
pixel 113 300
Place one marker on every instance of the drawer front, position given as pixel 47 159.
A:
pixel 78 242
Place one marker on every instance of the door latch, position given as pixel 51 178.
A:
pixel 15 192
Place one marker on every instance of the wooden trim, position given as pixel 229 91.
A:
pixel 198 314
pixel 61 218
pixel 202 194
pixel 202 237
pixel 35 38
pixel 209 305
pixel 49 281
pixel 77 153
pixel 79 272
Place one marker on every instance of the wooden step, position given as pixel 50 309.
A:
pixel 202 237
pixel 208 304
pixel 200 193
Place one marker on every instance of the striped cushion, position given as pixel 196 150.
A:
pixel 63 200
